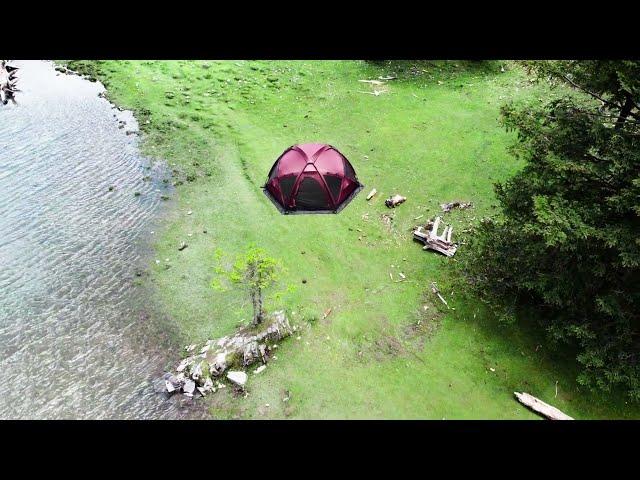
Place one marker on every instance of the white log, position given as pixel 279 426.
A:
pixel 434 229
pixel 538 406
pixel 371 194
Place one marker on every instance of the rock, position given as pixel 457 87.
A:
pixel 182 246
pixel 218 364
pixel 395 200
pixel 201 372
pixel 208 385
pixel 172 382
pixel 196 372
pixel 260 369
pixel 183 364
pixel 238 378
pixel 189 387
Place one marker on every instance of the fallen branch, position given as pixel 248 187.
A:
pixel 372 82
pixel 375 92
pixel 538 406
pixel 434 289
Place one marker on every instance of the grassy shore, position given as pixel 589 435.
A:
pixel 387 349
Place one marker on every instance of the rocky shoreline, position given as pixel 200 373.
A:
pixel 227 359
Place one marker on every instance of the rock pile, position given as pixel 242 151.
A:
pixel 202 371
pixel 8 82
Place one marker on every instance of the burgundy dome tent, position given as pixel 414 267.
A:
pixel 311 178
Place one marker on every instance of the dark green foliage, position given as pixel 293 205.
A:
pixel 568 242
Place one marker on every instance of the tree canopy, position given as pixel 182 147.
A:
pixel 568 239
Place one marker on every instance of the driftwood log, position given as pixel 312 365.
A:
pixel 210 362
pixel 8 82
pixel 538 406
pixel 433 241
pixel 395 200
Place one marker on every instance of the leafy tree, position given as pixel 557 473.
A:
pixel 568 239
pixel 256 272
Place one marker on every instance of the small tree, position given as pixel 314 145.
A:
pixel 256 272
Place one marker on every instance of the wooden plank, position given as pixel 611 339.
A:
pixel 538 406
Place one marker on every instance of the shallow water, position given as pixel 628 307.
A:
pixel 73 340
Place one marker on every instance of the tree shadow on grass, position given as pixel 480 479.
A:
pixel 527 360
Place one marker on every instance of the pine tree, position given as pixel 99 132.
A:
pixel 568 239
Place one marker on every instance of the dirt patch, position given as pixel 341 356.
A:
pixel 389 342
pixel 388 346
pixel 426 321
pixel 387 221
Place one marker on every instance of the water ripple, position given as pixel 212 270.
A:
pixel 72 234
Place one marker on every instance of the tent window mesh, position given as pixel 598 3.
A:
pixel 286 185
pixel 311 196
pixel 334 184
pixel 272 173
pixel 348 171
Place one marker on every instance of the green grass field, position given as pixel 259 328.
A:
pixel 388 349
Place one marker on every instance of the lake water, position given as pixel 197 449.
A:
pixel 75 341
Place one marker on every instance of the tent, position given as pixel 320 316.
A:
pixel 311 178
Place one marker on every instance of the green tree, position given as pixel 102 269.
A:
pixel 256 272
pixel 568 239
